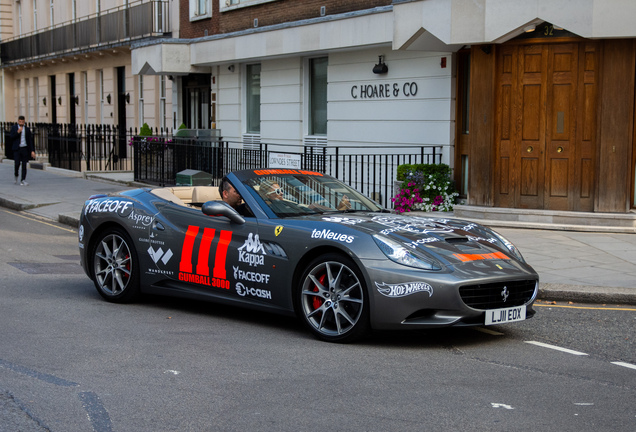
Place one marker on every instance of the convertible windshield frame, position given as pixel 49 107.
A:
pixel 293 193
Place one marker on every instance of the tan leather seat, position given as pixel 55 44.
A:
pixel 201 194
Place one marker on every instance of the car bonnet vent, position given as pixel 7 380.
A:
pixel 454 240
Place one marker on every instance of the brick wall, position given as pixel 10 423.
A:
pixel 267 14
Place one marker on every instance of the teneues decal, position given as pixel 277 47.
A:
pixel 330 235
pixel 252 251
pixel 403 289
pixel 201 273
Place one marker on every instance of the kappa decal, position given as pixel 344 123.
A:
pixel 252 252
pixel 201 274
pixel 403 289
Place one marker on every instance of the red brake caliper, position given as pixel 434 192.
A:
pixel 317 302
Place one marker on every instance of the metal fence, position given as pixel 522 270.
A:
pixel 79 147
pixel 157 159
pixel 370 170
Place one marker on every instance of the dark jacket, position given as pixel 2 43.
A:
pixel 14 136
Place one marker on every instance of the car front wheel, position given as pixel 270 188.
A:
pixel 332 299
pixel 115 267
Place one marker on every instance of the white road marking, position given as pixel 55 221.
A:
pixel 173 372
pixel 558 348
pixel 583 404
pixel 627 365
pixel 488 331
pixel 500 405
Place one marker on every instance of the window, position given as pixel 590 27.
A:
pixel 100 83
pixel 35 15
pixel 20 19
pixel 235 4
pixel 52 15
pixel 27 100
pixel 36 98
pixel 17 92
pixel 162 101
pixel 318 96
pixel 85 92
pixel 200 9
pixel 141 100
pixel 253 100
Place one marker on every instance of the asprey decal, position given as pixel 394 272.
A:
pixel 403 289
pixel 140 220
pixel 201 275
pixel 252 252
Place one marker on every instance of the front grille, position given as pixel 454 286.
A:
pixel 491 296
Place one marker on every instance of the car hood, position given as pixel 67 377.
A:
pixel 453 242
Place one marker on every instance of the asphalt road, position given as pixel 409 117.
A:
pixel 71 362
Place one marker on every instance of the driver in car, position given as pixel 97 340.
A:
pixel 230 195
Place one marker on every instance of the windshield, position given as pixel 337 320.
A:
pixel 299 194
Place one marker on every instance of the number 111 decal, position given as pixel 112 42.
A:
pixel 201 275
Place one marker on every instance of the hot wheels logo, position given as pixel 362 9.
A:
pixel 403 289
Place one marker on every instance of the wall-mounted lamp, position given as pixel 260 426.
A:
pixel 59 100
pixel 231 68
pixel 127 97
pixel 44 101
pixel 108 98
pixel 76 99
pixel 381 67
pixel 170 77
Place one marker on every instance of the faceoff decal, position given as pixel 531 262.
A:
pixel 201 274
pixel 108 206
pixel 403 289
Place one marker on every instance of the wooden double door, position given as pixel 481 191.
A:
pixel 545 128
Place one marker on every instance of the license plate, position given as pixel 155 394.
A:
pixel 505 315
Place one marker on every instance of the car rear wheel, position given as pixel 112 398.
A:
pixel 115 268
pixel 332 299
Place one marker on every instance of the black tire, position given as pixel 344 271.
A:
pixel 331 299
pixel 114 266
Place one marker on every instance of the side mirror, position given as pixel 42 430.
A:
pixel 221 208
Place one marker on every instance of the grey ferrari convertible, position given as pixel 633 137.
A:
pixel 301 242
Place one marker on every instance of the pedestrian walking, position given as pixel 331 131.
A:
pixel 23 148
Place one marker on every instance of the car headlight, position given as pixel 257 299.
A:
pixel 512 248
pixel 398 253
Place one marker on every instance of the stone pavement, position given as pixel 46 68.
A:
pixel 575 266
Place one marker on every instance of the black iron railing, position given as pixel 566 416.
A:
pixel 159 158
pixel 146 18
